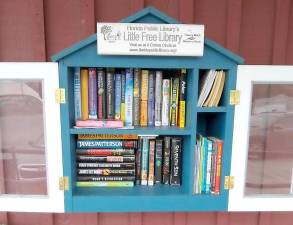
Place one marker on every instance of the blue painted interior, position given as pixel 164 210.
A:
pixel 216 121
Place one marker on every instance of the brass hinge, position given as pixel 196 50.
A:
pixel 60 95
pixel 229 182
pixel 234 97
pixel 63 183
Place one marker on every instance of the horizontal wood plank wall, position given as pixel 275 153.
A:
pixel 259 30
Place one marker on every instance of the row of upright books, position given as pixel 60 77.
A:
pixel 105 160
pixel 108 97
pixel 208 162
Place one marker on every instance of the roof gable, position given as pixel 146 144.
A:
pixel 147 15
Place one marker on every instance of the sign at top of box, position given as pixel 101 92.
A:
pixel 150 39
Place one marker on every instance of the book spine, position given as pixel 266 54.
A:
pixel 108 136
pixel 129 98
pixel 101 94
pixel 92 94
pixel 174 104
pixel 104 184
pixel 214 166
pixel 209 166
pixel 110 93
pixel 104 152
pixel 151 99
pixel 166 102
pixel 144 161
pixel 105 144
pixel 105 178
pixel 117 96
pixel 84 83
pixel 123 81
pixel 99 123
pixel 136 98
pixel 166 161
pixel 144 98
pixel 106 172
pixel 195 172
pixel 138 156
pixel 77 96
pixel 96 159
pixel 151 172
pixel 158 161
pixel 218 166
pixel 176 161
pixel 204 163
pixel 158 98
pixel 106 165
pixel 182 99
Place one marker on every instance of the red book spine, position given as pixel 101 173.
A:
pixel 218 167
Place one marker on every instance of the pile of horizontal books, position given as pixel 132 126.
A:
pixel 114 98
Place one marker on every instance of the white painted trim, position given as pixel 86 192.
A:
pixel 246 75
pixel 54 201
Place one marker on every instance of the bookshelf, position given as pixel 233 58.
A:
pixel 217 121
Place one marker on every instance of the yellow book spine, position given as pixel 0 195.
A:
pixel 182 114
pixel 84 85
pixel 143 113
pixel 122 112
pixel 144 98
pixel 108 136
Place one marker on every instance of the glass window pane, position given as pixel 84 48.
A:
pixel 22 145
pixel 270 154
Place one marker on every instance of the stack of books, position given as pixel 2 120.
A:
pixel 114 98
pixel 208 162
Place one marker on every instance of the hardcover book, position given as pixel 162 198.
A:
pixel 176 161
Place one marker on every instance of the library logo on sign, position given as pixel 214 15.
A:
pixel 109 34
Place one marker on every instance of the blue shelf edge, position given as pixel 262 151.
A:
pixel 219 109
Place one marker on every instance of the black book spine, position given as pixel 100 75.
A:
pixel 101 94
pixel 105 165
pixel 110 94
pixel 136 98
pixel 166 160
pixel 138 161
pixel 158 161
pixel 176 161
pixel 105 152
pixel 105 178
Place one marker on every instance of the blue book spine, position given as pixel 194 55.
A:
pixel 209 166
pixel 117 96
pixel 129 98
pixel 77 96
pixel 204 158
pixel 92 94
pixel 151 99
pixel 144 161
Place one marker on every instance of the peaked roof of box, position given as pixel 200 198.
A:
pixel 150 12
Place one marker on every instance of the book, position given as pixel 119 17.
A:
pixel 99 124
pixel 84 87
pixel 108 136
pixel 158 161
pixel 144 98
pixel 106 165
pixel 182 99
pixel 136 97
pixel 77 94
pixel 220 145
pixel 176 161
pixel 105 178
pixel 151 167
pixel 117 96
pixel 144 160
pixel 92 93
pixel 166 160
pixel 122 107
pixel 106 172
pixel 219 92
pixel 208 166
pixel 158 98
pixel 101 93
pixel 105 152
pixel 106 144
pixel 138 159
pixel 110 93
pixel 211 96
pixel 165 102
pixel 205 86
pixel 151 99
pixel 174 102
pixel 96 159
pixel 104 184
pixel 129 98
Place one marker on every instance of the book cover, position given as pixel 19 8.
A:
pixel 92 93
pixel 206 83
pixel 104 184
pixel 204 164
pixel 158 98
pixel 110 93
pixel 105 152
pixel 138 156
pixel 99 124
pixel 158 161
pixel 123 81
pixel 144 160
pixel 165 102
pixel 174 102
pixel 176 161
pixel 77 96
pixel 117 96
pixel 84 83
pixel 96 159
pixel 106 165
pixel 144 98
pixel 220 89
pixel 166 160
pixel 129 98
pixel 105 178
pixel 136 98
pixel 151 172
pixel 182 99
pixel 108 136
pixel 151 99
pixel 106 172
pixel 209 166
pixel 105 144
pixel 101 93
pixel 211 97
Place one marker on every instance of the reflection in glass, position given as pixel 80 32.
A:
pixel 270 154
pixel 22 146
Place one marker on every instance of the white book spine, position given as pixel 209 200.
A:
pixel 166 102
pixel 158 99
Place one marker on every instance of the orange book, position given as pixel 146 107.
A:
pixel 220 144
pixel 84 86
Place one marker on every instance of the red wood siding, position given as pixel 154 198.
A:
pixel 261 31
